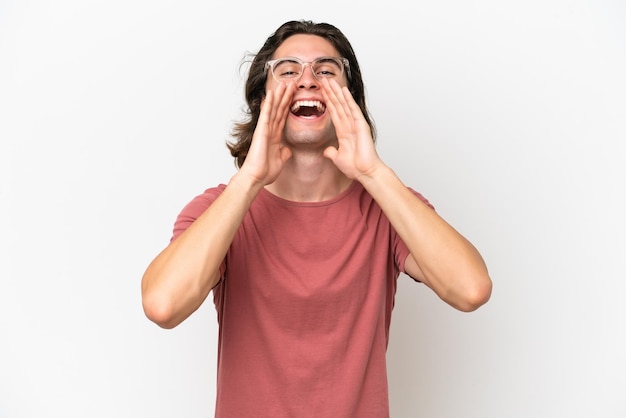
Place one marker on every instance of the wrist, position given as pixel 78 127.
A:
pixel 377 174
pixel 245 183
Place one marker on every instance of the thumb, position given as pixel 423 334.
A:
pixel 331 153
pixel 285 153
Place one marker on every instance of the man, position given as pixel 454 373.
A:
pixel 303 247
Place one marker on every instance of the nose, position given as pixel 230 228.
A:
pixel 307 79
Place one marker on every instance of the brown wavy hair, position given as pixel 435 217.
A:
pixel 255 85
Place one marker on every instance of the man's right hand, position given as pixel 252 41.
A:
pixel 267 154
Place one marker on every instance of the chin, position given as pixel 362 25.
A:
pixel 310 136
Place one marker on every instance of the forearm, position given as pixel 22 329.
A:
pixel 180 278
pixel 445 261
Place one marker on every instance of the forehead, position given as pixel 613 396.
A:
pixel 305 47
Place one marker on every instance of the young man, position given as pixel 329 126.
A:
pixel 303 247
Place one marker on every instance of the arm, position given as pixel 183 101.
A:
pixel 439 256
pixel 180 278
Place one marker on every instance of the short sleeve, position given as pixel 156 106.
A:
pixel 194 209
pixel 401 252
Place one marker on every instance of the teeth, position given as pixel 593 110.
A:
pixel 308 103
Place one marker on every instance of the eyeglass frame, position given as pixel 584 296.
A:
pixel 345 67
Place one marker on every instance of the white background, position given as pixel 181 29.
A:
pixel 509 116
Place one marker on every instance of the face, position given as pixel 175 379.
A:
pixel 308 123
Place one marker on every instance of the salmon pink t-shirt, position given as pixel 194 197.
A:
pixel 304 307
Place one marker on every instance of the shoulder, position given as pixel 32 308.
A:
pixel 195 208
pixel 203 200
pixel 365 198
pixel 422 198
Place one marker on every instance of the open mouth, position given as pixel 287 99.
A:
pixel 308 108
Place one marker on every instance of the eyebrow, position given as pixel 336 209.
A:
pixel 323 57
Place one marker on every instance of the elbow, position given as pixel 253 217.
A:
pixel 475 295
pixel 159 310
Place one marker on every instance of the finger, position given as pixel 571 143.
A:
pixel 281 99
pixel 349 105
pixel 275 95
pixel 283 105
pixel 355 109
pixel 334 107
pixel 266 106
pixel 332 101
pixel 338 92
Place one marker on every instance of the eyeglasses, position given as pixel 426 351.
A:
pixel 291 68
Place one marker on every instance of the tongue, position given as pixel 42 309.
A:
pixel 307 111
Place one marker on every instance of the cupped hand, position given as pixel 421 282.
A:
pixel 355 154
pixel 267 154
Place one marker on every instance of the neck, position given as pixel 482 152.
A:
pixel 309 178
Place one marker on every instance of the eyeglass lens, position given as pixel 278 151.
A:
pixel 322 68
